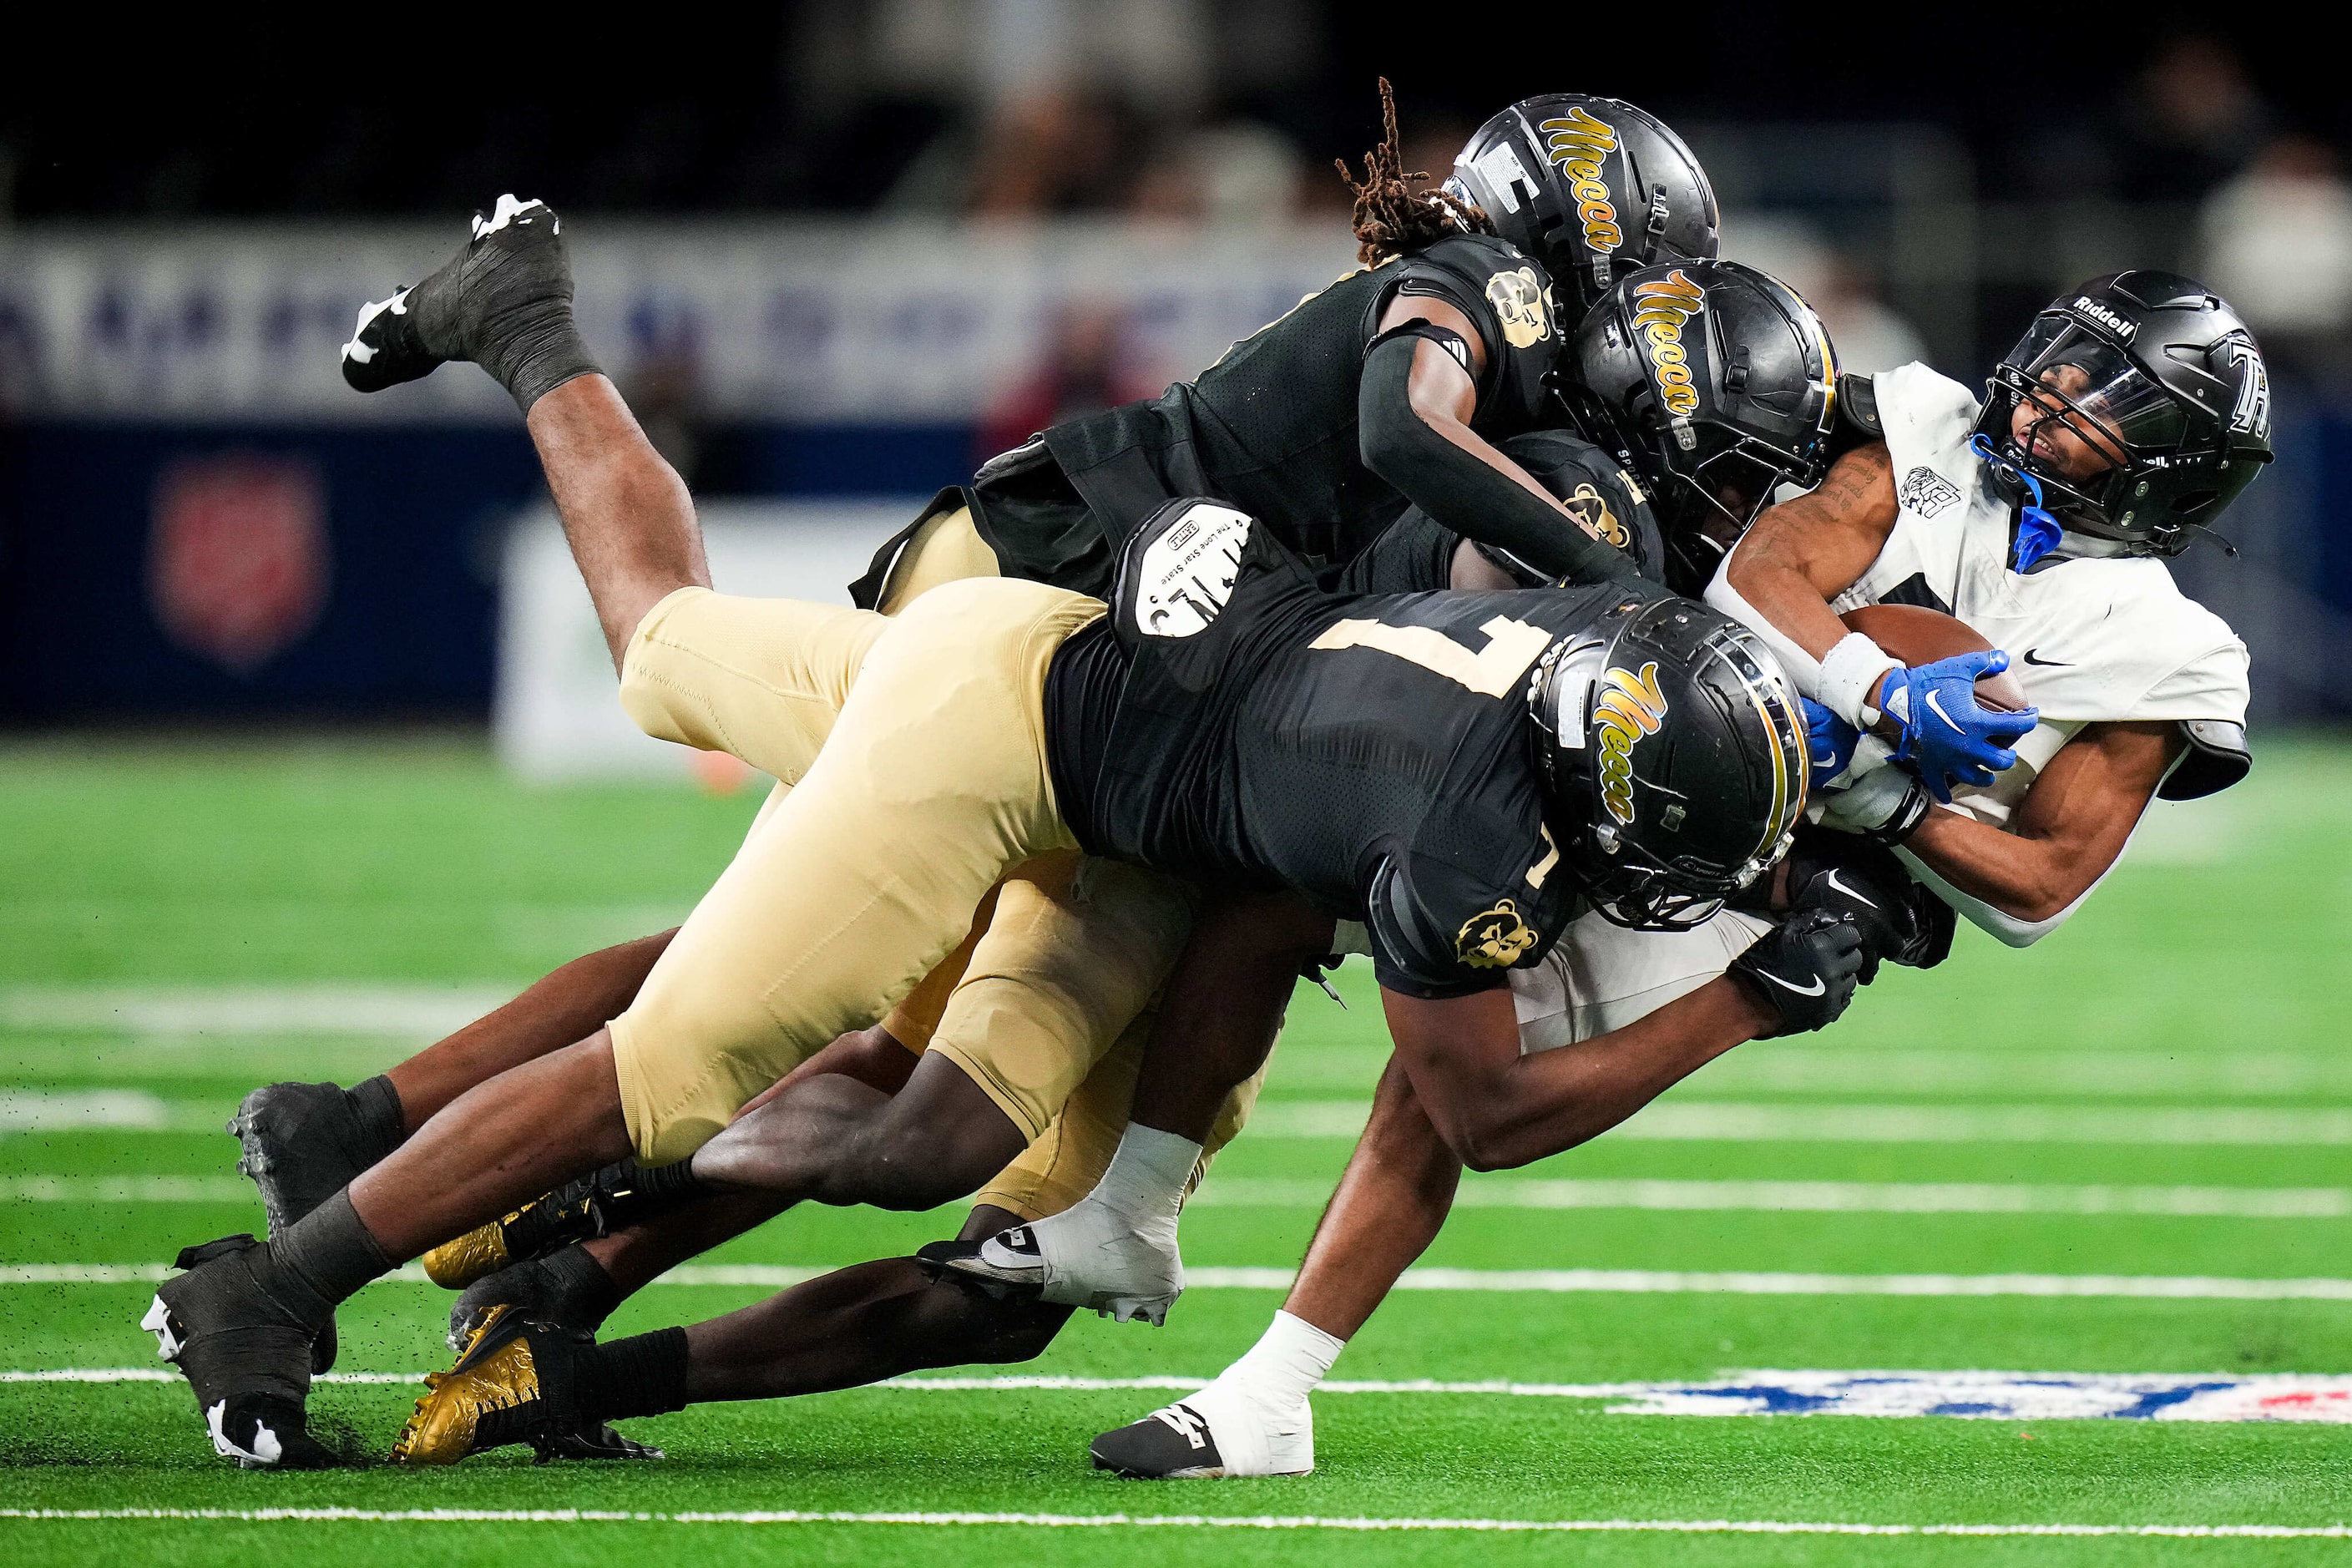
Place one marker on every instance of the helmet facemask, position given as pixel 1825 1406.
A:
pixel 2143 473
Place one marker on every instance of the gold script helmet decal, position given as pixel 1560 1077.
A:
pixel 1494 940
pixel 1581 145
pixel 1629 708
pixel 1518 299
pixel 1662 309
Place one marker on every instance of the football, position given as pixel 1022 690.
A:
pixel 1919 635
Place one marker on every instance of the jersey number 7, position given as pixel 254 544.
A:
pixel 1492 671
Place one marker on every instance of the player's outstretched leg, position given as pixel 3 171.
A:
pixel 1115 1251
pixel 304 1143
pixel 1255 1419
pixel 503 301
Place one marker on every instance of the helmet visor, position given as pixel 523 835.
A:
pixel 2098 390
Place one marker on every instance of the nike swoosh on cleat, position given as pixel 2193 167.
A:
pixel 1849 892
pixel 1815 989
pixel 2045 663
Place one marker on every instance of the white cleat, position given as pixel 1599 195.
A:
pixel 1224 1432
pixel 1080 1258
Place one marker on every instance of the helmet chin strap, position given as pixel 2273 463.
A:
pixel 2037 531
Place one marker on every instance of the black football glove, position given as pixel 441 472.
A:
pixel 1901 921
pixel 1805 968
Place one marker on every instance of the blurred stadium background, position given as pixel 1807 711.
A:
pixel 257 630
pixel 846 248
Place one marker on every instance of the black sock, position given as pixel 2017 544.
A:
pixel 321 1259
pixel 670 1183
pixel 587 1292
pixel 382 1122
pixel 641 1376
pixel 534 348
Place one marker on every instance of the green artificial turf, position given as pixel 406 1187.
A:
pixel 2207 976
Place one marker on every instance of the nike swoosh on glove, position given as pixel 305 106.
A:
pixel 1829 742
pixel 1805 969
pixel 1945 733
pixel 1900 920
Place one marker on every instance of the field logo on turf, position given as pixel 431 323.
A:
pixel 1580 145
pixel 1631 707
pixel 1662 309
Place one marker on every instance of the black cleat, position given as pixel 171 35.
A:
pixel 243 1354
pixel 565 1289
pixel 510 278
pixel 300 1143
pixel 1172 1444
pixel 515 1383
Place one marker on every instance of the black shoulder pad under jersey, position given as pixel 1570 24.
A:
pixel 1858 424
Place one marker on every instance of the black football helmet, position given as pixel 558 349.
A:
pixel 2156 373
pixel 1716 383
pixel 1589 187
pixel 1673 756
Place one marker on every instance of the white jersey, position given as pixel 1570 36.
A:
pixel 2093 637
pixel 1599 976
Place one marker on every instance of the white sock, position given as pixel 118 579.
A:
pixel 1287 1362
pixel 1145 1181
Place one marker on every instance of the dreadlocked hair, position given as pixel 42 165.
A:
pixel 1392 218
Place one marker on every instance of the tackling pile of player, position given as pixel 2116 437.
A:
pixel 1383 634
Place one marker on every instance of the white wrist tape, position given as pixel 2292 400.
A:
pixel 1850 673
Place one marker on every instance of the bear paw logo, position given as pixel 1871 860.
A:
pixel 1496 940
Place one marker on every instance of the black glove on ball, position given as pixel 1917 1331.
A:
pixel 1901 921
pixel 1805 968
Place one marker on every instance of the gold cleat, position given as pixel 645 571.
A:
pixel 489 1399
pixel 480 1252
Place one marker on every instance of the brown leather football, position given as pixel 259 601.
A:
pixel 1917 636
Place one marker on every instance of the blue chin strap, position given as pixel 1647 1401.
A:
pixel 2037 531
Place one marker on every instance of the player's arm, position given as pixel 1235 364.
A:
pixel 2065 836
pixel 1414 408
pixel 1802 553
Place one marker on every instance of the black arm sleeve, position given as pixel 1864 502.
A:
pixel 1458 488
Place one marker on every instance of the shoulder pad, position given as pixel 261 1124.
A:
pixel 1858 400
pixel 2217 758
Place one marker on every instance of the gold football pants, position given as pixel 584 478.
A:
pixel 915 747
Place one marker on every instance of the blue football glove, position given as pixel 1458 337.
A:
pixel 1829 742
pixel 1947 734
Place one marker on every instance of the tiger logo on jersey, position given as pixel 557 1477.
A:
pixel 1518 299
pixel 1494 940
pixel 1629 709
pixel 1590 510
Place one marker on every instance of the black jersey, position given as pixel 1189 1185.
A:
pixel 1233 722
pixel 1270 427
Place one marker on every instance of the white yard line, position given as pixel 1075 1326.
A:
pixel 1737 1123
pixel 2312 1397
pixel 1821 1198
pixel 424 1011
pixel 1181 1521
pixel 127 1190
pixel 1554 1281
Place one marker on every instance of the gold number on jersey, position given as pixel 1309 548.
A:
pixel 1492 671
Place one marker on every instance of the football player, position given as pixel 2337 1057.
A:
pixel 1212 726
pixel 1406 379
pixel 2132 412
